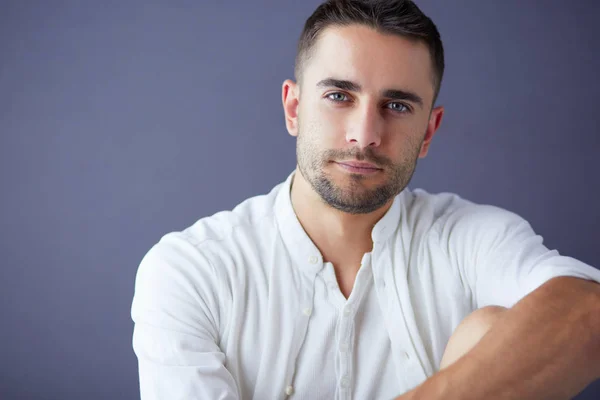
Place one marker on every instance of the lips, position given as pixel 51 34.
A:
pixel 359 164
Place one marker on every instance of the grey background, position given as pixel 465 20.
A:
pixel 122 121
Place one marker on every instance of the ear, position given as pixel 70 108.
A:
pixel 290 99
pixel 435 120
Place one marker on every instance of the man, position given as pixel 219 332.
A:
pixel 342 283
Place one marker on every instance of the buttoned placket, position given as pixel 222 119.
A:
pixel 314 264
pixel 346 323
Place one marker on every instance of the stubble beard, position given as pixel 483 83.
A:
pixel 353 197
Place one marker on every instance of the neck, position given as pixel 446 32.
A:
pixel 341 238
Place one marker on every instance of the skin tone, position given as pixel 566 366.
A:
pixel 362 114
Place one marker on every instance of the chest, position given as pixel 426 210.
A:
pixel 293 332
pixel 347 350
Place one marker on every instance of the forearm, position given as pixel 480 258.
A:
pixel 546 347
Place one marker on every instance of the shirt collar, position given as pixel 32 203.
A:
pixel 302 250
pixel 301 247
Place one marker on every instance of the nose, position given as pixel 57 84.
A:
pixel 365 128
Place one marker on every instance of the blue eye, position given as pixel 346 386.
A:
pixel 398 107
pixel 337 96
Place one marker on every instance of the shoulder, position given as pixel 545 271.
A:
pixel 248 218
pixel 196 253
pixel 449 214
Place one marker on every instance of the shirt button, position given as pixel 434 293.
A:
pixel 343 347
pixel 307 311
pixel 405 355
pixel 347 310
pixel 313 259
pixel 289 390
pixel 345 382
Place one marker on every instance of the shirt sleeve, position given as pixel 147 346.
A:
pixel 501 259
pixel 175 311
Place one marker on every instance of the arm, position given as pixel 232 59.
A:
pixel 545 347
pixel 176 313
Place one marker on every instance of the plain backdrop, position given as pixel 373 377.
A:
pixel 121 121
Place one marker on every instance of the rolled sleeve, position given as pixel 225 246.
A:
pixel 502 259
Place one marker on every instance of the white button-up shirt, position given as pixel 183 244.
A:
pixel 240 305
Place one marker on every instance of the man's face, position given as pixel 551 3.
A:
pixel 362 115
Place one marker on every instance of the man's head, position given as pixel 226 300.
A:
pixel 368 73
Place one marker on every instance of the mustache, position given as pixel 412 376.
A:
pixel 367 155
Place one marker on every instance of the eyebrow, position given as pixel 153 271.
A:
pixel 394 94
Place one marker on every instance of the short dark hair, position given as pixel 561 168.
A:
pixel 397 17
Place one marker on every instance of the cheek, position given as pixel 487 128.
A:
pixel 332 125
pixel 403 142
pixel 324 126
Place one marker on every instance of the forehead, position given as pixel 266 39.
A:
pixel 372 59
